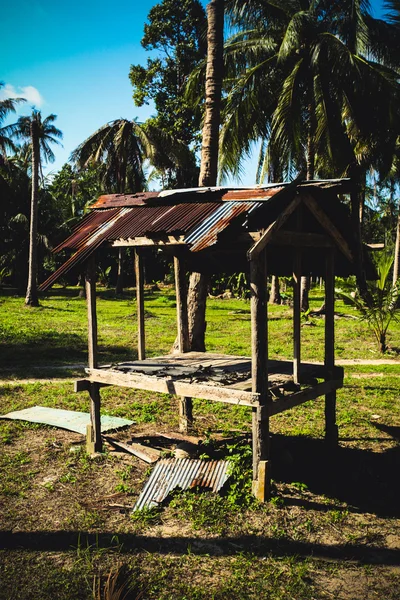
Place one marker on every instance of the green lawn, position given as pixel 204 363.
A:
pixel 331 529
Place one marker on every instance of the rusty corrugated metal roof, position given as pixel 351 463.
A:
pixel 182 473
pixel 199 214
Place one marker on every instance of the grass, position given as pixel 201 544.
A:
pixel 331 529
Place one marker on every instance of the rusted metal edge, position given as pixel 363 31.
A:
pixel 170 474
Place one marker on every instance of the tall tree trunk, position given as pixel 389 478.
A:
pixel 275 295
pixel 198 284
pixel 31 292
pixel 119 288
pixel 305 283
pixel 356 201
pixel 396 264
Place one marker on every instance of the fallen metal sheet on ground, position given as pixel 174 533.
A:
pixel 185 473
pixel 65 419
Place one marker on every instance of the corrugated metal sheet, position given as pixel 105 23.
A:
pixel 182 473
pixel 65 419
pixel 200 214
pixel 206 234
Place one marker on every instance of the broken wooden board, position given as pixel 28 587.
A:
pixel 149 455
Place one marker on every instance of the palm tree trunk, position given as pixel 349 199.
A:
pixel 275 295
pixel 119 288
pixel 31 292
pixel 198 284
pixel 396 264
pixel 305 281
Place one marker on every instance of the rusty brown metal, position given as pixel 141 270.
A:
pixel 121 200
pixel 186 473
pixel 200 215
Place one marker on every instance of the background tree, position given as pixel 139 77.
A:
pixel 197 294
pixel 119 147
pixel 7 106
pixel 176 32
pixel 40 133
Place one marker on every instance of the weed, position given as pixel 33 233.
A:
pixel 147 516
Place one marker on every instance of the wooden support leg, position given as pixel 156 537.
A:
pixel 331 429
pixel 259 367
pixel 139 273
pixel 185 404
pixel 93 432
pixel 185 414
pixel 261 466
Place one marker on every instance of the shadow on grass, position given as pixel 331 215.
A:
pixel 222 546
pixel 366 480
pixel 55 349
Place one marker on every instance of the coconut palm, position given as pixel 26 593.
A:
pixel 121 147
pixel 305 78
pixel 7 106
pixel 41 134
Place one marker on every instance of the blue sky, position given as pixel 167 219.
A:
pixel 72 59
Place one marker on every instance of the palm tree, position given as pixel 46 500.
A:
pixel 198 284
pixel 305 79
pixel 40 133
pixel 120 146
pixel 7 106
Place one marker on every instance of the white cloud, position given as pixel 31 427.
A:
pixel 30 93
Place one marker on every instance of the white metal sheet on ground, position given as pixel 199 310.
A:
pixel 184 474
pixel 65 419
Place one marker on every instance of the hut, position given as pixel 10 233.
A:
pixel 287 229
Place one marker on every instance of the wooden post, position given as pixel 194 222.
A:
pixel 259 373
pixel 185 403
pixel 296 315
pixel 93 439
pixel 140 303
pixel 331 430
pixel 181 304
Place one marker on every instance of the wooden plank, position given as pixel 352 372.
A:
pixel 90 285
pixel 181 304
pixel 259 361
pixel 292 400
pixel 269 232
pixel 331 429
pixel 185 404
pixel 149 455
pixel 301 239
pixel 327 224
pixel 169 240
pixel 140 304
pixel 177 388
pixel 95 423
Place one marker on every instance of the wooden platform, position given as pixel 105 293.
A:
pixel 219 377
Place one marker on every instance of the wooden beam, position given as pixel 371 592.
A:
pixel 90 285
pixel 140 304
pixel 181 304
pixel 259 368
pixel 292 400
pixel 331 429
pixel 169 240
pixel 184 403
pixel 327 224
pixel 300 239
pixel 273 228
pixel 94 429
pixel 166 385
